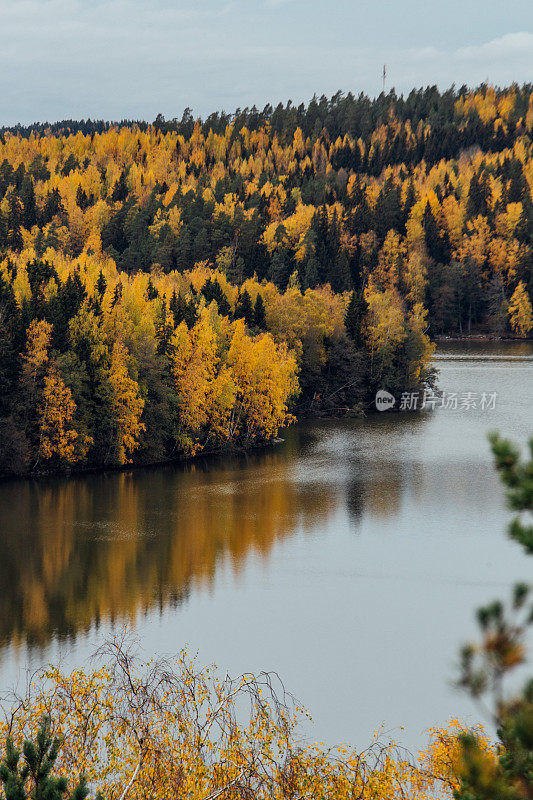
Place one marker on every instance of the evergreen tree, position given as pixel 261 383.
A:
pixel 244 308
pixel 14 223
pixel 151 291
pixel 410 200
pixel 502 649
pixel 353 318
pixel 117 294
pixel 437 242
pixel 27 196
pixel 11 343
pixel 178 307
pixel 39 243
pixel 320 228
pixel 81 198
pixel 113 235
pixel 191 313
pixel 34 779
pixel 101 284
pixel 259 313
pixel 120 189
pixel 518 187
pixel 164 332
pixel 212 290
pixel 71 294
pixel 53 206
pixel 70 164
pixel 477 196
pixel 94 305
pixel 339 276
pixel 311 272
pixel 388 211
pixel 279 270
pixel 184 249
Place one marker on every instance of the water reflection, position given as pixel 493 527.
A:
pixel 74 552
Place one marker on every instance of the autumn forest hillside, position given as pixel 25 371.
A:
pixel 189 285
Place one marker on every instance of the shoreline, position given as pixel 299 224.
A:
pixel 229 451
pixel 482 337
pixel 73 472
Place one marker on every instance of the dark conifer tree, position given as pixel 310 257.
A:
pixel 388 211
pixel 191 313
pixel 151 291
pixel 279 271
pixel 117 294
pixel 164 332
pixel 40 243
pixel 70 164
pixel 101 284
pixel 27 196
pixel 14 223
pixel 36 771
pixel 259 313
pixel 340 278
pixel 81 198
pixel 120 189
pixel 517 183
pixel 410 200
pixel 353 319
pixel 244 309
pixel 311 271
pixel 72 294
pixel 437 242
pixel 477 202
pixel 95 305
pixel 53 206
pixel 212 290
pixel 11 343
pixel 178 307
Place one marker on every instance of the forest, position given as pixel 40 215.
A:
pixel 193 285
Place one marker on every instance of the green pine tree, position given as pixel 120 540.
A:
pixel 81 198
pixel 34 779
pixel 353 319
pixel 151 291
pixel 311 271
pixel 340 278
pixel 117 294
pixel 164 332
pixel 27 196
pixel 259 313
pixel 483 668
pixel 101 284
pixel 212 290
pixel 244 308
pixel 120 189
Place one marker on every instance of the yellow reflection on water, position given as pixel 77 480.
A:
pixel 102 547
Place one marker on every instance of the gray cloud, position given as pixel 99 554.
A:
pixel 511 45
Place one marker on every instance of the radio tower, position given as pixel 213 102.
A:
pixel 384 76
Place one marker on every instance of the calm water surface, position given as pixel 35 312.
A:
pixel 349 559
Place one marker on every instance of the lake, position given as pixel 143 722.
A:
pixel 349 558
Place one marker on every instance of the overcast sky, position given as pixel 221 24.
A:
pixel 134 58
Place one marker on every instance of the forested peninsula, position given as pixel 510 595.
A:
pixel 193 285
